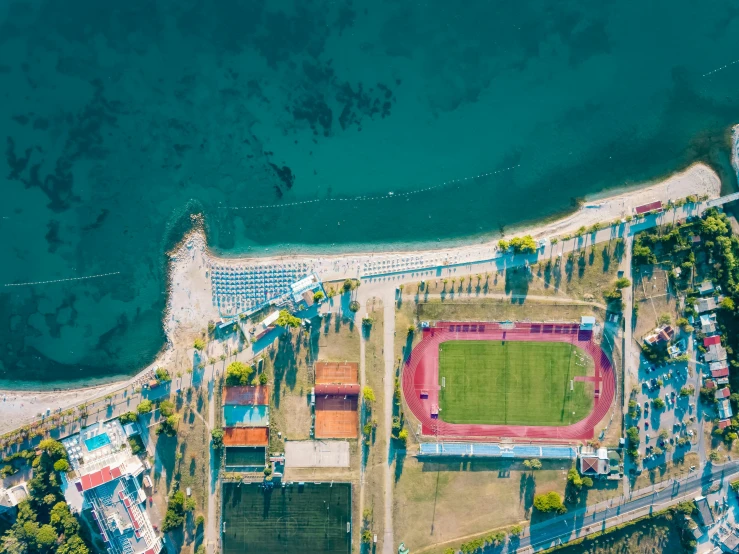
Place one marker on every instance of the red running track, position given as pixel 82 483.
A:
pixel 421 379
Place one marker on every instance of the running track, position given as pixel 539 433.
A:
pixel 421 374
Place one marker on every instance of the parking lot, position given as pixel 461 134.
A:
pixel 671 430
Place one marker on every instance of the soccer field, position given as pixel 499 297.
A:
pixel 297 519
pixel 513 383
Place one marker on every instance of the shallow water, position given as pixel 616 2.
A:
pixel 122 119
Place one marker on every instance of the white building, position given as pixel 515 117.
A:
pixel 10 498
pixel 104 479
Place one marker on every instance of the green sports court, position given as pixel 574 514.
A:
pixel 299 518
pixel 514 383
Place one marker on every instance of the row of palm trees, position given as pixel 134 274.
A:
pixel 462 279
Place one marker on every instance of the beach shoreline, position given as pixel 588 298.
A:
pixel 189 305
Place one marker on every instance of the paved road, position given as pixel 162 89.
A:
pixel 607 514
pixel 388 351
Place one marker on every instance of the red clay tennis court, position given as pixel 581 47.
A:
pixel 421 379
pixel 337 373
pixel 246 436
pixel 247 395
pixel 336 417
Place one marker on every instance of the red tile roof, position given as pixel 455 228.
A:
pixel 715 339
pixel 649 207
pixel 723 393
pixel 724 423
pixel 589 464
pixel 105 475
pixel 710 384
pixel 723 372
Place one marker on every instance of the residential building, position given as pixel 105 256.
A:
pixel 730 543
pixel 708 323
pixel 715 353
pixel 594 463
pixel 724 408
pixel 660 334
pixel 723 393
pixel 704 511
pixel 706 287
pixel 11 497
pixel 707 304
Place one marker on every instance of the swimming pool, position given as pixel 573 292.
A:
pixel 98 441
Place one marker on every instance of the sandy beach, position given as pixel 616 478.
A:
pixel 190 297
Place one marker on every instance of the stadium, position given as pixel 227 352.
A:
pixel 476 381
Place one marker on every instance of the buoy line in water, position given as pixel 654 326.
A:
pixel 728 65
pixel 382 197
pixel 61 280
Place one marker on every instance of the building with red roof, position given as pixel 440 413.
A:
pixel 708 341
pixel 646 208
pixel 723 393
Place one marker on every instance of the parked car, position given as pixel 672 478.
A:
pixel 646 426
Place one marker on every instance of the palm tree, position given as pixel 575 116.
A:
pixel 445 282
pixel 478 278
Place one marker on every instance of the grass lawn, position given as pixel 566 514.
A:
pixel 513 383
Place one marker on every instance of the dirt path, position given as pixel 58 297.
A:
pixel 212 532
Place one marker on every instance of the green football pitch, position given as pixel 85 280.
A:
pixel 513 383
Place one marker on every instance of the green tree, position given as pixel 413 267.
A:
pixel 727 304
pixel 166 408
pixel 622 283
pixel 175 515
pixel 73 545
pixel 524 245
pixel 549 502
pixel 199 521
pixel 643 255
pixel 503 245
pixel 714 456
pixel 403 436
pixel 263 378
pixel 532 464
pixel 53 448
pixel 658 403
pixel 632 433
pixel 162 375
pixel 318 296
pixel 144 407
pixel 237 373
pixel 199 344
pixel 354 306
pixel 128 417
pixel 286 319
pixel 168 426
pixel 368 394
pixel 516 530
pixel 46 537
pixel 217 438
pixel 61 465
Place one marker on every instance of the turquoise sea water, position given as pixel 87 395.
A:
pixel 123 118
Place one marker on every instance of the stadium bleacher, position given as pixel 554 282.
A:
pixel 486 449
